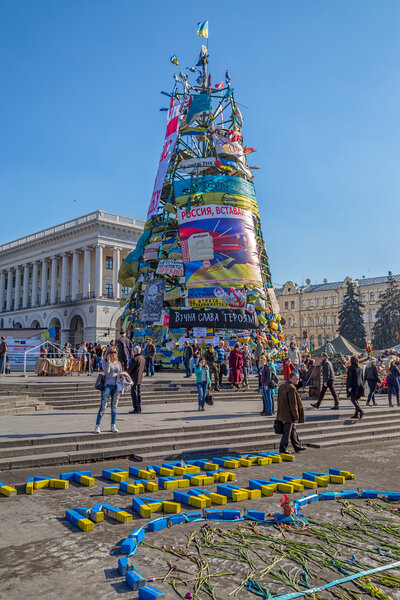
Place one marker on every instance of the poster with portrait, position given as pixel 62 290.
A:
pixel 153 301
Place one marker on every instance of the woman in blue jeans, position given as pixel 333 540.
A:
pixel 392 381
pixel 266 375
pixel 203 381
pixel 112 369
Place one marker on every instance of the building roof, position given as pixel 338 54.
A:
pixel 326 287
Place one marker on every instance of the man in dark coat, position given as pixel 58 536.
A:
pixel 136 370
pixel 187 358
pixel 125 350
pixel 328 376
pixel 290 411
pixel 150 353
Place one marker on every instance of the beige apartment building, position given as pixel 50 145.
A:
pixel 312 311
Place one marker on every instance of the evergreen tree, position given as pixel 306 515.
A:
pixel 351 324
pixel 387 325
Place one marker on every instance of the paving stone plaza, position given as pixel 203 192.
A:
pixel 45 553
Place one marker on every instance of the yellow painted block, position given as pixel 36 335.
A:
pixel 321 481
pixel 7 490
pixel 110 490
pixel 209 466
pixel 226 476
pixel 118 477
pixel 38 485
pixel 263 460
pixel 251 494
pixel 198 501
pixel 85 525
pixel 267 490
pixel 145 511
pixel 276 458
pixel 98 517
pixel 238 495
pixel 164 472
pixel 86 480
pixel 59 484
pixel 232 464
pixel 155 506
pixel 143 474
pixel 182 483
pixel 337 479
pixel 132 489
pixel 29 488
pixel 346 474
pixel 191 469
pixel 171 507
pixel 171 485
pixel 245 462
pixel 123 516
pixel 218 498
pixel 297 487
pixel 285 487
pixel 308 484
pixel 287 457
pixel 152 486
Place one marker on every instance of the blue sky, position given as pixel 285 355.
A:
pixel 80 127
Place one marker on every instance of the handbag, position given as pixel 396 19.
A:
pixel 100 382
pixel 274 380
pixel 209 399
pixel 278 427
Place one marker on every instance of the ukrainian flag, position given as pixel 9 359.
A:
pixel 202 29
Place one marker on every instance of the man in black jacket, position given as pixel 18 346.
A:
pixel 187 358
pixel 328 375
pixel 136 370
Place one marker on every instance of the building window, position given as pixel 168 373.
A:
pixel 109 290
pixel 373 317
pixel 292 304
pixel 289 322
pixel 304 304
pixel 328 320
pixel 363 297
pixel 334 300
pixel 319 302
pixel 310 322
pixel 286 305
pixel 372 297
pixel 320 340
pixel 124 290
pixel 365 317
pixel 311 303
pixel 333 319
pixel 326 301
pixel 109 262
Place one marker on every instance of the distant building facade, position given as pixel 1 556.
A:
pixel 312 311
pixel 66 277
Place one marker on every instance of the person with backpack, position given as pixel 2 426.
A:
pixel 371 376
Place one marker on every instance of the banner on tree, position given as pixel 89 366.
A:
pixel 217 318
pixel 168 148
pixel 217 296
pixel 153 301
pixel 221 183
pixel 219 247
pixel 171 266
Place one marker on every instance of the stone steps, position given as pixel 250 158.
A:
pixel 14 405
pixel 173 443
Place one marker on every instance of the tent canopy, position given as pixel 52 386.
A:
pixel 341 346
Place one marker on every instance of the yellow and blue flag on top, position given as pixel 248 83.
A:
pixel 202 29
pixel 174 60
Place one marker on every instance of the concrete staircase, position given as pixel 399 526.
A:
pixel 211 439
pixel 20 404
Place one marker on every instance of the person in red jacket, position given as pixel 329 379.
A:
pixel 288 367
pixel 235 366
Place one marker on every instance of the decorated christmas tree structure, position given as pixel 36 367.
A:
pixel 201 261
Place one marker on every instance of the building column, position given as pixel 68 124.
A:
pixel 9 289
pixel 2 290
pixel 53 282
pixel 25 288
pixel 86 272
pixel 17 292
pixel 116 261
pixel 35 277
pixel 75 275
pixel 99 271
pixel 64 277
pixel 43 286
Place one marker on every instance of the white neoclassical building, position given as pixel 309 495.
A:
pixel 66 277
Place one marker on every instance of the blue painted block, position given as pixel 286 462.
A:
pixel 73 517
pixel 128 545
pixel 335 471
pixel 193 516
pixel 82 510
pixel 150 593
pixel 301 502
pixel 176 519
pixel 257 484
pixel 67 476
pixel 348 494
pixel 137 534
pixel 256 514
pixel 137 502
pixel 134 580
pixel 124 565
pixel 171 465
pixel 40 478
pixel 327 496
pixel 195 492
pixel 369 494
pixel 213 514
pixel 219 461
pixel 312 498
pixel 181 496
pixel 393 496
pixel 157 525
pixel 230 515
